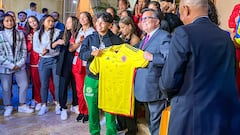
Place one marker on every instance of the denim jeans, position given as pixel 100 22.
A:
pixel 22 82
pixel 47 68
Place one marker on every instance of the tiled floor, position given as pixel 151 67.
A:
pixel 48 124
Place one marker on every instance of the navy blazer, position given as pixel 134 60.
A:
pixel 200 75
pixel 146 88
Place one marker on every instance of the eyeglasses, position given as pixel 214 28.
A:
pixel 147 17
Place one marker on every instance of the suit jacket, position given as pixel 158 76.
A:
pixel 146 80
pixel 200 73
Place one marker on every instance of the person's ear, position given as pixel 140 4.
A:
pixel 110 26
pixel 158 21
pixel 187 10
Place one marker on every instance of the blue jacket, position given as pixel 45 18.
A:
pixel 60 26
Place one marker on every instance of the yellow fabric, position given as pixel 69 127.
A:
pixel 165 121
pixel 237 38
pixel 116 68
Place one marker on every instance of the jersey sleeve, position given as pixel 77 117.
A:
pixel 95 66
pixel 139 59
pixel 136 56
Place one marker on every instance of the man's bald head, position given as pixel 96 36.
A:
pixel 199 3
pixel 192 9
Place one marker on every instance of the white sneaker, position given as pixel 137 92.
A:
pixel 38 106
pixel 55 102
pixel 32 103
pixel 8 111
pixel 64 114
pixel 103 121
pixel 43 110
pixel 25 109
pixel 57 109
pixel 74 109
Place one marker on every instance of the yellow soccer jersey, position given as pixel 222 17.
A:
pixel 116 68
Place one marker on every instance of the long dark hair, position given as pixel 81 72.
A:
pixel 212 13
pixel 128 21
pixel 74 31
pixel 89 18
pixel 15 31
pixel 41 29
pixel 28 27
pixel 147 2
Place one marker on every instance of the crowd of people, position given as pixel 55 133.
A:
pixel 186 60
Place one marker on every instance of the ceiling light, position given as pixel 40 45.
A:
pixel 74 2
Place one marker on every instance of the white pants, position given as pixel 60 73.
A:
pixel 6 82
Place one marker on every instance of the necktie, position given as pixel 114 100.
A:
pixel 145 41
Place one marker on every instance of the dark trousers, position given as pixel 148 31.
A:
pixel 129 123
pixel 63 90
pixel 155 112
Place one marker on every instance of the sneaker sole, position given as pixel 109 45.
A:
pixel 25 112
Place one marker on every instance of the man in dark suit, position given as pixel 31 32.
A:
pixel 155 46
pixel 199 75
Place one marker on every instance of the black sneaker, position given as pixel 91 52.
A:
pixel 79 117
pixel 85 118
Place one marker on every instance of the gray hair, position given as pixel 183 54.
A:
pixel 155 13
pixel 197 3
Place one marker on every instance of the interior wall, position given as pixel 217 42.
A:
pixel 225 8
pixel 19 5
pixel 84 6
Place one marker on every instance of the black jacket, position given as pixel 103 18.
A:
pixel 93 40
pixel 64 63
